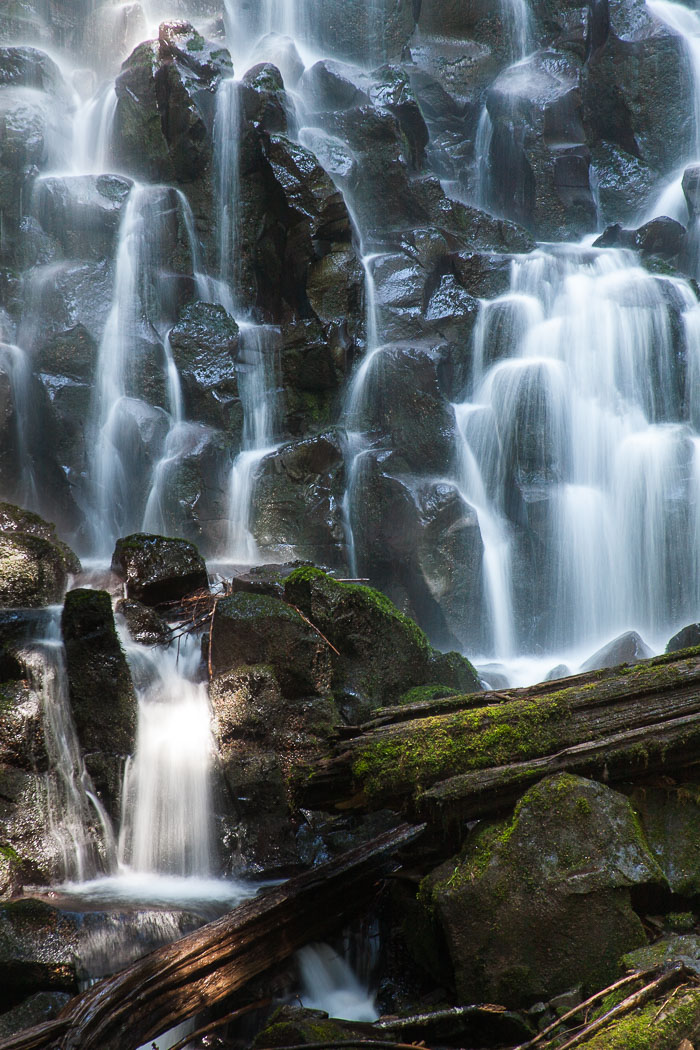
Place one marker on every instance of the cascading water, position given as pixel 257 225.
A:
pixel 329 984
pixel 578 432
pixel 77 822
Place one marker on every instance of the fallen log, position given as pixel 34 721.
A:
pixel 470 761
pixel 181 979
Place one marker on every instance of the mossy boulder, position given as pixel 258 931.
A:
pixel 259 629
pixel 17 519
pixel 670 817
pixel 261 736
pixel 542 903
pixel 158 569
pixel 32 571
pixel 382 653
pixel 295 1026
pixel 100 689
pixel 685 949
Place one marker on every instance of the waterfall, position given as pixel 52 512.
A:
pixel 329 984
pixel 167 813
pixel 77 822
pixel 577 429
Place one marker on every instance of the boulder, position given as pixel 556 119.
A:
pixel 165 105
pixel 40 1007
pixel 625 184
pixel 265 101
pixel 315 356
pixel 16 519
pixel 32 570
pixel 542 903
pixel 257 629
pixel 298 505
pixel 82 212
pixel 381 652
pixel 144 624
pixel 670 817
pixel 158 569
pixel 100 690
pixel 37 951
pixel 22 742
pixel 687 638
pixel 204 345
pixel 628 648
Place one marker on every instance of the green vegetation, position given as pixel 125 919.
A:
pixel 652 1028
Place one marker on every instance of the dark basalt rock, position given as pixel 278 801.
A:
pixel 205 344
pixel 661 236
pixel 100 689
pixel 685 639
pixel 628 648
pixel 298 507
pixel 144 624
pixel 82 212
pixel 256 629
pixel 542 903
pixel 670 817
pixel 158 569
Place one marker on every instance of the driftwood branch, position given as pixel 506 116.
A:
pixel 179 980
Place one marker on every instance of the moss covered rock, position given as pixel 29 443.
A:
pixel 16 519
pixel 658 1026
pixel 144 624
pixel 382 653
pixel 100 689
pixel 671 820
pixel 32 571
pixel 542 903
pixel 258 629
pixel 158 569
pixel 295 1026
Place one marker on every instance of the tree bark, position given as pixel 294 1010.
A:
pixel 181 979
pixel 453 760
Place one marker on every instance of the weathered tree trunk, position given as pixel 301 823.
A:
pixel 181 979
pixel 467 757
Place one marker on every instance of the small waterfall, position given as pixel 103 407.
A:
pixel 256 385
pixel 78 823
pixel 329 984
pixel 14 364
pixel 227 135
pixel 92 132
pixel 482 161
pixel 167 813
pixel 517 21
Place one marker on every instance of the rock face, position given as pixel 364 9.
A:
pixel 158 569
pixel 542 903
pixel 34 564
pixel 100 689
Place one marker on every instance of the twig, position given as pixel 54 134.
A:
pixel 627 1005
pixel 665 1003
pixel 342 1043
pixel 314 628
pixel 640 975
pixel 220 1022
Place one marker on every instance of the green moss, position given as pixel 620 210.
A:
pixel 425 693
pixel 680 920
pixel 460 742
pixel 195 43
pixel 647 1029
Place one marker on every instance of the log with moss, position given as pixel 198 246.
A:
pixel 180 980
pixel 465 757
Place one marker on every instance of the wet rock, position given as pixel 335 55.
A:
pixel 265 102
pixel 30 67
pixel 624 182
pixel 22 743
pixel 256 629
pixel 484 275
pixel 16 519
pixel 298 505
pixel 100 689
pixel 628 648
pixel 357 31
pixel 205 344
pixel 560 671
pixel 71 354
pixel 299 1025
pixel 686 638
pixel 313 365
pixel 539 156
pixel 165 105
pixel 18 627
pixel 542 903
pixel 334 86
pixel 36 951
pixel 404 399
pixel 691 188
pixel 158 569
pixel 392 90
pixel 82 212
pixel 32 570
pixel 282 51
pixel 665 951
pixel 28 856
pixel 382 652
pixel 145 625
pixel 260 736
pixel 43 1006
pixel 662 236
pixel 637 96
pixel 670 817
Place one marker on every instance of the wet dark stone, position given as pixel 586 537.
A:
pixel 686 638
pixel 628 648
pixel 158 569
pixel 144 624
pixel 204 344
